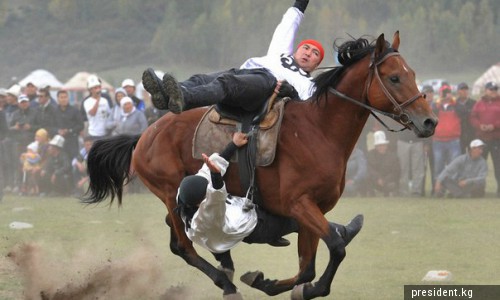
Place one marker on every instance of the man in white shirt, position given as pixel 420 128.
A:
pixel 96 108
pixel 251 85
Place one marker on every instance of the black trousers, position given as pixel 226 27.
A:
pixel 244 88
pixel 270 227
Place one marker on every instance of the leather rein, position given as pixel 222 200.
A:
pixel 400 116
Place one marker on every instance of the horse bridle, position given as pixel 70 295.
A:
pixel 401 115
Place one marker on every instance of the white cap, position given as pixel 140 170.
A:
pixel 3 92
pixel 14 90
pixel 128 82
pixel 125 100
pixel 22 98
pixel 379 138
pixel 57 141
pixel 93 81
pixel 476 143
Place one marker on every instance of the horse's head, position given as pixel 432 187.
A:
pixel 391 88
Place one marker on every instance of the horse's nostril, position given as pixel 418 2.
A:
pixel 430 123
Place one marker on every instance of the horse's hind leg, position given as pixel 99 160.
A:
pixel 226 263
pixel 185 250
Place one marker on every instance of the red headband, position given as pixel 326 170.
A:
pixel 316 44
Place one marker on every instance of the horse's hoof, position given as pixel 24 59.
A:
pixel 235 296
pixel 229 272
pixel 353 228
pixel 250 277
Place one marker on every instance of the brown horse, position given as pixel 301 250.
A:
pixel 307 177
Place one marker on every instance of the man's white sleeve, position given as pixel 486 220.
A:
pixel 284 34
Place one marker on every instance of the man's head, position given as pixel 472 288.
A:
pixel 192 190
pixel 126 104
pixel 491 89
pixel 462 90
pixel 94 85
pixel 476 148
pixel 12 93
pixel 129 86
pixel 43 96
pixel 31 89
pixel 23 102
pixel 380 142
pixel 63 98
pixel 445 92
pixel 56 144
pixel 309 55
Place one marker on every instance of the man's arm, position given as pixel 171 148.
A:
pixel 239 139
pixel 284 34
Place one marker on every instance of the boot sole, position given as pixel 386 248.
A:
pixel 153 84
pixel 173 90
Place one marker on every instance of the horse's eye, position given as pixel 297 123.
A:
pixel 394 79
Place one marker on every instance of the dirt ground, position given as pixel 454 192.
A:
pixel 46 277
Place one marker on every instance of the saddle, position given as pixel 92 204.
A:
pixel 219 123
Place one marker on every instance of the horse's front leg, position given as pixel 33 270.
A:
pixel 183 247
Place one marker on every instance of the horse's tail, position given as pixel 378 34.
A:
pixel 108 165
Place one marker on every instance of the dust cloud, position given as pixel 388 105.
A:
pixel 48 274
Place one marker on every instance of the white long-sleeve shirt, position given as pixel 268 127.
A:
pixel 279 59
pixel 220 222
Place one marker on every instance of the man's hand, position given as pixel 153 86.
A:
pixel 210 164
pixel 240 139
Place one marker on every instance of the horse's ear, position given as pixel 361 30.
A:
pixel 395 41
pixel 380 46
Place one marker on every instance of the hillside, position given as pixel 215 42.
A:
pixel 118 38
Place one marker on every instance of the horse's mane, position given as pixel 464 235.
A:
pixel 349 53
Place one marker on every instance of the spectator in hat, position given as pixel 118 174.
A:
pixel 11 104
pixel 486 122
pixel 69 123
pixel 465 104
pixel 132 121
pixel 55 176
pixel 97 109
pixel 22 127
pixel 383 167
pixel 129 86
pixel 446 138
pixel 466 175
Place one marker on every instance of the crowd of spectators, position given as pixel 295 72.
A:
pixel 44 142
pixel 455 157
